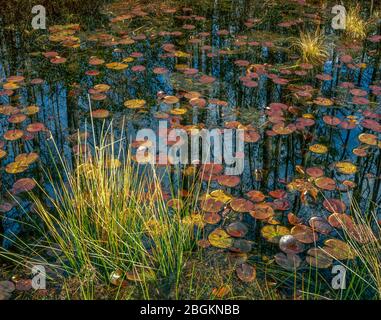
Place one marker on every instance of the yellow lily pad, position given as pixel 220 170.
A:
pixel 220 239
pixel 116 66
pixel 273 233
pixel 135 103
pixel 318 148
pixel 345 167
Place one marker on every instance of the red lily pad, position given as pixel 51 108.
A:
pixel 334 205
pixel 304 234
pixel 278 194
pixel 325 183
pixel 262 211
pixel 237 229
pixel 241 205
pixel 256 196
pixel 293 219
pixel 23 185
pixel 321 225
pixel 212 218
pixel 211 205
pixel 315 172
pixel 246 272
pixel 228 181
pixel 340 220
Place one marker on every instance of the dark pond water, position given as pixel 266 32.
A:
pixel 229 64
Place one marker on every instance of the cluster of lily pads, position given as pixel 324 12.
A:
pixel 302 107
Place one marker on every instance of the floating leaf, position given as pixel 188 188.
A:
pixel 102 87
pixel 171 100
pixel 340 220
pixel 212 218
pixel 246 272
pixel 35 127
pixel 135 104
pixel 325 183
pixel 262 211
pixel 100 114
pixel 17 118
pixel 361 233
pixel 320 224
pixel 338 249
pixel 273 233
pixel 241 205
pixel 221 291
pixel 256 196
pixel 212 205
pixel 16 167
pixel 304 234
pixel 241 245
pixel 278 194
pixel 346 167
pixel 220 239
pixel 228 181
pixel 31 110
pixel 251 136
pixel 324 102
pixel 237 229
pixel 116 278
pixel 334 205
pixel 3 154
pixel 318 148
pixel 179 111
pixel 318 259
pixel 221 196
pixel 289 262
pixel 369 139
pixel 116 66
pixel 23 185
pixel 289 244
pixel 293 219
pixel 12 135
pixel 27 158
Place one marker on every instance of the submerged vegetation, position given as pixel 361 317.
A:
pixel 75 199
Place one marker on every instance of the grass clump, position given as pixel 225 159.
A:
pixel 108 221
pixel 311 47
pixel 364 241
pixel 356 27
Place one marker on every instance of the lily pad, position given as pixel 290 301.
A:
pixel 345 167
pixel 237 229
pixel 318 259
pixel 290 262
pixel 262 211
pixel 273 233
pixel 220 238
pixel 246 272
pixel 241 205
pixel 304 234
pixel 289 244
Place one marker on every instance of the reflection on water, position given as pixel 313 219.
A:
pixel 226 61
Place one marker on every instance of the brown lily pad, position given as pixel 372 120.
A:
pixel 246 272
pixel 262 211
pixel 304 234
pixel 241 205
pixel 288 244
pixel 237 229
